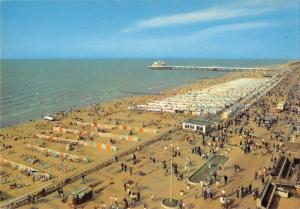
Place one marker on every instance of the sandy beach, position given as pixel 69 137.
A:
pixel 147 176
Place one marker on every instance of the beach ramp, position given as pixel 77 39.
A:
pixel 205 172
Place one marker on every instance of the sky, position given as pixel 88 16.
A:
pixel 150 29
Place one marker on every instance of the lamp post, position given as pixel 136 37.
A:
pixel 172 203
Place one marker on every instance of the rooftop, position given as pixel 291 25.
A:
pixel 202 121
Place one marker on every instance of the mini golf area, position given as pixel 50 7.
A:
pixel 206 171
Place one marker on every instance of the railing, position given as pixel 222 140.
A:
pixel 279 166
pixel 204 68
pixel 265 201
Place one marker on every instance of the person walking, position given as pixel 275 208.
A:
pixel 204 194
pixel 188 187
pixel 83 178
pixel 152 197
pixel 225 179
pixel 250 188
pixel 138 196
pixel 242 191
pixel 126 205
pixel 238 192
pixel 196 194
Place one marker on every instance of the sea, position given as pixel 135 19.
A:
pixel 30 88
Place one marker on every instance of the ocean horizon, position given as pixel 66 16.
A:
pixel 33 87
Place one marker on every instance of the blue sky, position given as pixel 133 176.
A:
pixel 150 29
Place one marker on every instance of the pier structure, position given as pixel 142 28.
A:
pixel 204 68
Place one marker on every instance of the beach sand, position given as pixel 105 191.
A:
pixel 111 178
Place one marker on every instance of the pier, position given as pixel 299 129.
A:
pixel 204 68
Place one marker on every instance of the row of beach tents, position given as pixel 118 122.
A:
pixel 25 169
pixel 99 146
pixel 209 100
pixel 57 154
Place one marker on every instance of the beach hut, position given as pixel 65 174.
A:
pixel 80 196
pixel 199 125
pixel 281 106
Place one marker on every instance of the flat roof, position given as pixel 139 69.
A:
pixel 199 121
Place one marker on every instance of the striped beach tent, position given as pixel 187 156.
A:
pixel 78 142
pixel 120 127
pixel 97 134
